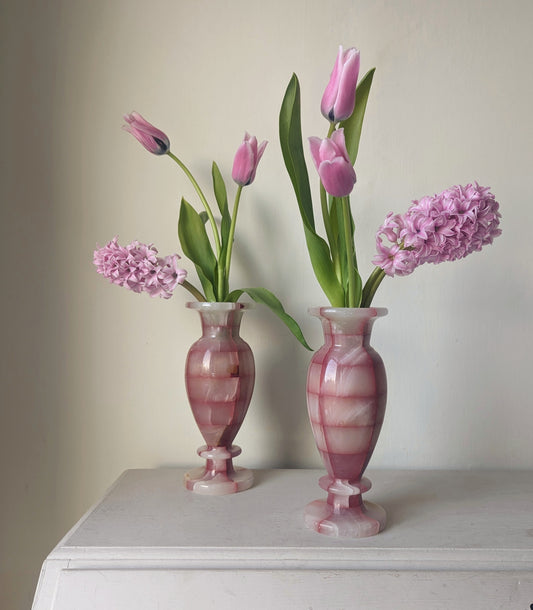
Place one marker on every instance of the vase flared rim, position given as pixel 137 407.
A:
pixel 347 312
pixel 217 306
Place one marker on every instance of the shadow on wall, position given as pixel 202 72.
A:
pixel 35 300
pixel 281 366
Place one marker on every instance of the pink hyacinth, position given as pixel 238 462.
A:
pixel 153 139
pixel 445 227
pixel 138 268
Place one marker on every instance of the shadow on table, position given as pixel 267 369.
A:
pixel 425 492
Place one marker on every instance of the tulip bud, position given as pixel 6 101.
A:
pixel 338 101
pixel 153 139
pixel 333 164
pixel 247 159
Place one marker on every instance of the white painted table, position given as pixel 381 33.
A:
pixel 454 540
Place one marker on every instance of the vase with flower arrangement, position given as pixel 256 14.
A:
pixel 220 369
pixel 346 383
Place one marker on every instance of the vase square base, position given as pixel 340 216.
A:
pixel 350 522
pixel 205 482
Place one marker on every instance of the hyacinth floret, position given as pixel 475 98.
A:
pixel 444 227
pixel 138 268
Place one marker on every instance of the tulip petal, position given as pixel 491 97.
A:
pixel 260 151
pixel 330 94
pixel 314 145
pixel 338 101
pixel 153 139
pixel 333 164
pixel 337 176
pixel 328 150
pixel 247 159
pixel 243 163
pixel 340 143
pixel 345 102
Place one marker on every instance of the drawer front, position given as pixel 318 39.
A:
pixel 166 589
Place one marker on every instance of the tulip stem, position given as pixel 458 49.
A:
pixel 194 291
pixel 202 199
pixel 327 218
pixel 350 251
pixel 232 230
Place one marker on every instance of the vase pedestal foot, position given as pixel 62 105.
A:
pixel 218 477
pixel 345 514
pixel 348 523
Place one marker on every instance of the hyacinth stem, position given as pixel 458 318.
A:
pixel 231 235
pixel 202 199
pixel 194 291
pixel 350 251
pixel 372 284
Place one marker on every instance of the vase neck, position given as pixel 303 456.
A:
pixel 338 334
pixel 347 326
pixel 220 324
pixel 219 320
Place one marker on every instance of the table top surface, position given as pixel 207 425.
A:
pixel 444 517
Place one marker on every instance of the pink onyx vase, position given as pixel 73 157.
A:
pixel 346 396
pixel 219 377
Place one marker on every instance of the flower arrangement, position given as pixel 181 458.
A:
pixel 138 267
pixel 445 227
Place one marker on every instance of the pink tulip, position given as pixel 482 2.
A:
pixel 338 101
pixel 333 164
pixel 153 139
pixel 247 159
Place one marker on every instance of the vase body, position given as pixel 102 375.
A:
pixel 219 378
pixel 346 397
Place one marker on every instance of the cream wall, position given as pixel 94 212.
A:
pixel 92 375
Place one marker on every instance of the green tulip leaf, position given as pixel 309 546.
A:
pixel 221 195
pixel 354 124
pixel 344 266
pixel 290 133
pixel 324 268
pixel 206 285
pixel 196 246
pixel 265 297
